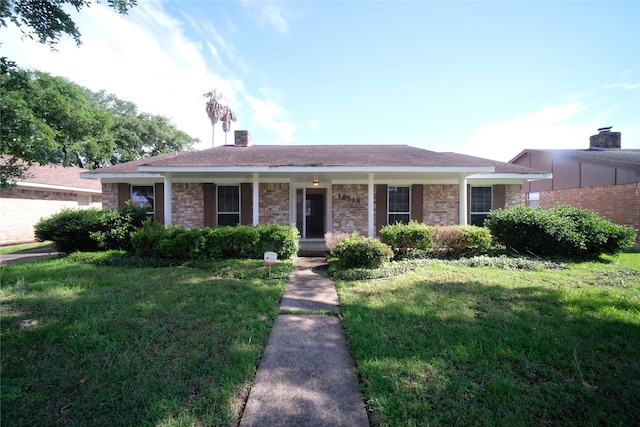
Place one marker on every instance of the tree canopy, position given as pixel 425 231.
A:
pixel 46 20
pixel 49 119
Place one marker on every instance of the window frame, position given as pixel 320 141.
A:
pixel 534 201
pixel 151 212
pixel 228 213
pixel 406 213
pixel 475 213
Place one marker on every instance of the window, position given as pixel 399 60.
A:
pixel 142 197
pixel 399 205
pixel 480 204
pixel 533 199
pixel 229 205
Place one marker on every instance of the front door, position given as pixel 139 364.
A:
pixel 311 213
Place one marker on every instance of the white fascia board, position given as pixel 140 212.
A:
pixel 517 176
pixel 121 176
pixel 64 188
pixel 314 169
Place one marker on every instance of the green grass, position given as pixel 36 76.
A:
pixel 106 345
pixel 456 345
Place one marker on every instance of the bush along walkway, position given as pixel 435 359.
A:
pixel 306 376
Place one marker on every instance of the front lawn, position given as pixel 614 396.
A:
pixel 85 344
pixel 457 345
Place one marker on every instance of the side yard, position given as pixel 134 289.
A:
pixel 456 345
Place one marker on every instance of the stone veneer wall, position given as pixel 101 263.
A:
pixel 188 204
pixel 274 203
pixel 440 204
pixel 349 208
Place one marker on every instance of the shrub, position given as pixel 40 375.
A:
pixel 281 239
pixel 115 227
pixel 215 243
pixel 405 238
pixel 144 241
pixel 561 231
pixel 457 240
pixel 89 230
pixel 227 242
pixel 70 229
pixel 361 252
pixel 180 243
pixel 332 239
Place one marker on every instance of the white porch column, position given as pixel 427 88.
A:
pixel 462 196
pixel 168 205
pixel 371 231
pixel 256 200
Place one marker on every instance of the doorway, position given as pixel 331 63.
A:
pixel 310 215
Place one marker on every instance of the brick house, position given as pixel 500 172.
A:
pixel 328 188
pixel 603 178
pixel 46 191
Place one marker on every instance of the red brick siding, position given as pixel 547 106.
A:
pixel 440 204
pixel 618 203
pixel 349 208
pixel 188 204
pixel 274 203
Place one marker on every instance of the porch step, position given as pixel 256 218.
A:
pixel 313 248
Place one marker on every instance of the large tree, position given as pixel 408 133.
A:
pixel 48 119
pixel 46 20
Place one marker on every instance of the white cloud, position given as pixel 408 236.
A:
pixel 314 125
pixel 146 58
pixel 627 86
pixel 547 128
pixel 269 12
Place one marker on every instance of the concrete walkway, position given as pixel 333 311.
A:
pixel 28 255
pixel 306 376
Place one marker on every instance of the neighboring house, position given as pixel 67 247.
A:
pixel 604 178
pixel 327 188
pixel 47 190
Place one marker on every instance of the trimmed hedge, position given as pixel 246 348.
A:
pixel 406 238
pixel 90 230
pixel 361 252
pixel 460 240
pixel 560 231
pixel 215 243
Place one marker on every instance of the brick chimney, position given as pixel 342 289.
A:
pixel 242 138
pixel 605 140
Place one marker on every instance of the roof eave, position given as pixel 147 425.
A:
pixel 65 188
pixel 319 169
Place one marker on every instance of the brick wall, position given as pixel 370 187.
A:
pixel 349 208
pixel 188 204
pixel 513 196
pixel 618 203
pixel 274 203
pixel 440 204
pixel 21 209
pixel 110 196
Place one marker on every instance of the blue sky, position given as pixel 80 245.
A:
pixel 481 78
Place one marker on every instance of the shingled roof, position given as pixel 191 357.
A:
pixel 350 156
pixel 629 157
pixel 58 176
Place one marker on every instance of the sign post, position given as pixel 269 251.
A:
pixel 270 258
